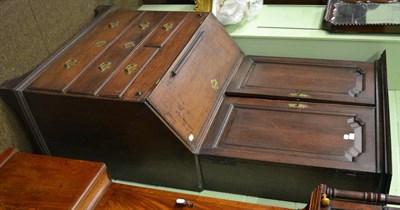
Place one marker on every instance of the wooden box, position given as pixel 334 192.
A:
pixel 30 181
pixel 288 124
pixel 167 98
pixel 136 90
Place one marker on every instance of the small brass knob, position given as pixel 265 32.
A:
pixel 325 201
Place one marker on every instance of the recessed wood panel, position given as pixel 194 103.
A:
pixel 342 81
pixel 296 132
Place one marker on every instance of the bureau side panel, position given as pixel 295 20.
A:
pixel 127 136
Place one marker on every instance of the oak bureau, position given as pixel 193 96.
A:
pixel 168 98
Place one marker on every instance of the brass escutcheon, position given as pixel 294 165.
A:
pixel 101 43
pixel 105 65
pixel 214 84
pixel 297 105
pixel 144 25
pixel 70 63
pixel 129 44
pixel 130 68
pixel 168 26
pixel 113 24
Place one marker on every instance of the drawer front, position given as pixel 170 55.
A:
pixel 103 67
pixel 166 29
pixel 312 134
pixel 59 74
pixel 152 73
pixel 130 70
pixel 305 79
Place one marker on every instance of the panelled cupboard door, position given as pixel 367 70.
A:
pixel 301 133
pixel 305 79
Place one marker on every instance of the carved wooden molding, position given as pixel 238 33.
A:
pixel 356 149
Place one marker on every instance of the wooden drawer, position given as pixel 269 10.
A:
pixel 305 79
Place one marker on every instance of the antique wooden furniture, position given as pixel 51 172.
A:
pixel 296 122
pixel 169 99
pixel 326 198
pixel 30 181
pixel 136 90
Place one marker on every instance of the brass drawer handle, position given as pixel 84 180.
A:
pixel 113 24
pixel 214 84
pixel 299 94
pixel 130 68
pixel 70 63
pixel 297 106
pixel 144 25
pixel 129 44
pixel 104 66
pixel 101 43
pixel 168 26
